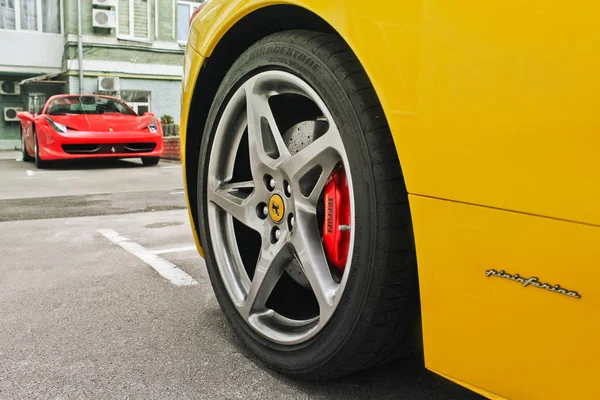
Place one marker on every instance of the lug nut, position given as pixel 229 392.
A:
pixel 287 188
pixel 275 235
pixel 269 182
pixel 262 210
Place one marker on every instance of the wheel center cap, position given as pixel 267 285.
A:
pixel 276 208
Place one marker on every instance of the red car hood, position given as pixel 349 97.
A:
pixel 103 122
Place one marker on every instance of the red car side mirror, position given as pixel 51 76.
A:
pixel 25 116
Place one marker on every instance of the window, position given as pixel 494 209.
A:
pixel 134 19
pixel 139 100
pixel 30 15
pixel 36 102
pixel 184 13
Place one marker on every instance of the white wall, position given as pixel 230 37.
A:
pixel 30 52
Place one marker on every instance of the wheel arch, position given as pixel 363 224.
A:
pixel 248 30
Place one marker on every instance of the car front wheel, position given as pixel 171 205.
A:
pixel 304 215
pixel 41 164
pixel 25 156
pixel 149 161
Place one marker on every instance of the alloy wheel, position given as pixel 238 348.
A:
pixel 281 200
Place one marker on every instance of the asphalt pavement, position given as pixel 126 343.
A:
pixel 102 296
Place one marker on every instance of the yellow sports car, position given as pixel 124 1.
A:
pixel 358 171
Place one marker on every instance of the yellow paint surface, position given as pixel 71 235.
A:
pixel 520 342
pixel 192 63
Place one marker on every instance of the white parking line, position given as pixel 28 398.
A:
pixel 32 173
pixel 178 192
pixel 171 166
pixel 165 268
pixel 174 250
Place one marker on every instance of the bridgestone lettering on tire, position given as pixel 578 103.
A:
pixel 293 108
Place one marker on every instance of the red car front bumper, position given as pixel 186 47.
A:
pixel 77 144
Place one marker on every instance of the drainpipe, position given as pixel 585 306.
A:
pixel 80 46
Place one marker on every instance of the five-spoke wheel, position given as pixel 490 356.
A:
pixel 298 179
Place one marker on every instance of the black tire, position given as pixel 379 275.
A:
pixel 39 163
pixel 25 155
pixel 378 317
pixel 149 161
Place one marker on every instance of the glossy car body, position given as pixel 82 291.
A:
pixel 91 135
pixel 494 113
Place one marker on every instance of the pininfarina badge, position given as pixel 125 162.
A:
pixel 533 281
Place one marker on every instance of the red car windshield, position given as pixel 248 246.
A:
pixel 87 105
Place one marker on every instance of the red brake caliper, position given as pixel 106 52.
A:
pixel 336 227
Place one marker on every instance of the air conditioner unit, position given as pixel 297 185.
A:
pixel 108 84
pixel 104 3
pixel 9 87
pixel 104 18
pixel 10 113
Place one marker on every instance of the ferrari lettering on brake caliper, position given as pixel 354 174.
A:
pixel 336 229
pixel 329 213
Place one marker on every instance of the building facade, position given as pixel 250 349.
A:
pixel 132 49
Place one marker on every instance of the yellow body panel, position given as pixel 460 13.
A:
pixel 495 107
pixel 518 342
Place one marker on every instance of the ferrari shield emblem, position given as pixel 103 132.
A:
pixel 276 208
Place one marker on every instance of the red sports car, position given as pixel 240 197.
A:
pixel 89 126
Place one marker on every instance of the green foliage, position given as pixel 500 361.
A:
pixel 166 119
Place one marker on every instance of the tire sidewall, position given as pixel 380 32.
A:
pixel 39 163
pixel 36 148
pixel 25 155
pixel 150 161
pixel 333 339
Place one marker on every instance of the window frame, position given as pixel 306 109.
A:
pixel 131 36
pixel 192 6
pixel 39 19
pixel 134 104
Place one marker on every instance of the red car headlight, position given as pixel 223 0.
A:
pixel 60 128
pixel 153 127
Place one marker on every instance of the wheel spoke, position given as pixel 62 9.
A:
pixel 322 154
pixel 269 267
pixel 309 252
pixel 265 142
pixel 236 200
